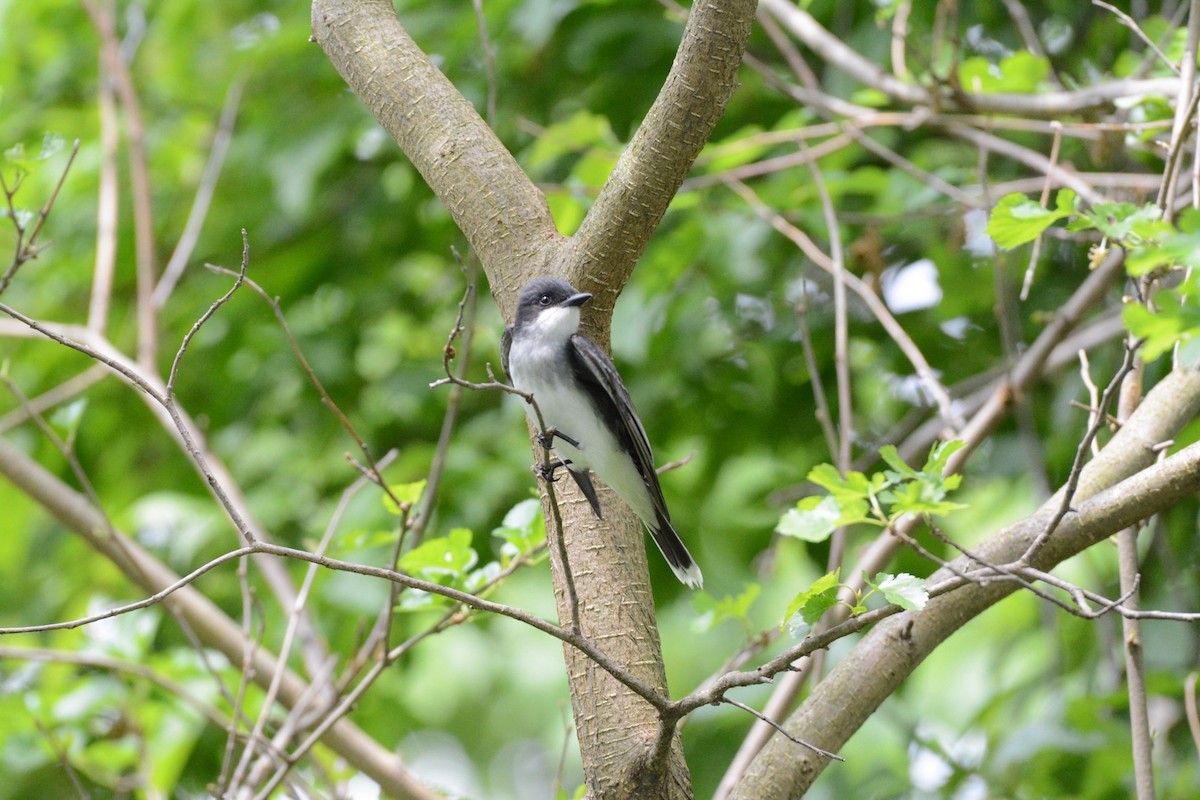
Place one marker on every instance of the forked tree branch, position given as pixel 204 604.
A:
pixel 507 222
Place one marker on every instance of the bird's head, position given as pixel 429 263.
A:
pixel 548 309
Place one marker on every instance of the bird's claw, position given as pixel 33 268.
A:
pixel 547 438
pixel 546 473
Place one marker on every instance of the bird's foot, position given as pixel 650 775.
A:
pixel 546 439
pixel 546 471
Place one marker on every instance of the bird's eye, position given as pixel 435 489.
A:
pixel 544 300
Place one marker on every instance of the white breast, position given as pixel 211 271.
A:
pixel 543 372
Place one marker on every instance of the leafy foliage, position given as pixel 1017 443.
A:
pixel 1154 245
pixel 904 590
pixel 876 500
pixel 1016 220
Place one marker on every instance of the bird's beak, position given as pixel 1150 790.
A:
pixel 577 299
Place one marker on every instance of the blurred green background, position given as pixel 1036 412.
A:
pixel 1026 702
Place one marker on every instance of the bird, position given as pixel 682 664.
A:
pixel 586 407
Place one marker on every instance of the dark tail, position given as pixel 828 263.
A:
pixel 675 553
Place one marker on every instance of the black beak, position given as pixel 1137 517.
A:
pixel 577 299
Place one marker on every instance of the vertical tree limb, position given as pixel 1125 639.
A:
pixel 507 221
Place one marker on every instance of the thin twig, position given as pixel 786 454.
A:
pixel 879 309
pixel 104 20
pixel 63 757
pixel 72 387
pixel 780 729
pixel 1190 709
pixel 1036 251
pixel 1093 409
pixel 1068 491
pixel 489 62
pixel 108 200
pixel 1137 31
pixel 26 248
pixel 146 602
pixel 311 374
pixel 464 330
pixel 206 316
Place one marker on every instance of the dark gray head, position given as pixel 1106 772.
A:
pixel 549 307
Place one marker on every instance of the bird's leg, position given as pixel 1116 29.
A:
pixel 546 471
pixel 547 439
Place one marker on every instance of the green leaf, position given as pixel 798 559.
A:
pixel 1176 319
pixel 814 601
pixel 66 419
pixel 732 151
pixel 1023 72
pixel 906 591
pixel 129 636
pixel 712 612
pixel 1016 219
pixel 923 496
pixel 811 521
pixel 407 493
pixel 478 578
pixel 891 457
pixel 366 539
pixel 1175 250
pixel 523 530
pixel 1126 223
pixel 1020 73
pixel 578 133
pixel 814 519
pixel 854 486
pixel 450 555
pixel 939 457
pixel 52 144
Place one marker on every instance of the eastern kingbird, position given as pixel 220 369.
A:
pixel 585 402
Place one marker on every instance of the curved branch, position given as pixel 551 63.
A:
pixel 493 202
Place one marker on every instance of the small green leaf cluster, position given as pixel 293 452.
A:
pixel 877 500
pixel 1019 72
pixel 1154 246
pixel 904 590
pixel 711 612
pixel 451 560
pixel 112 724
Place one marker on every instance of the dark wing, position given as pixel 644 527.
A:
pixel 584 482
pixel 505 346
pixel 608 393
pixel 594 368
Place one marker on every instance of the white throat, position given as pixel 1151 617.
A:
pixel 554 325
